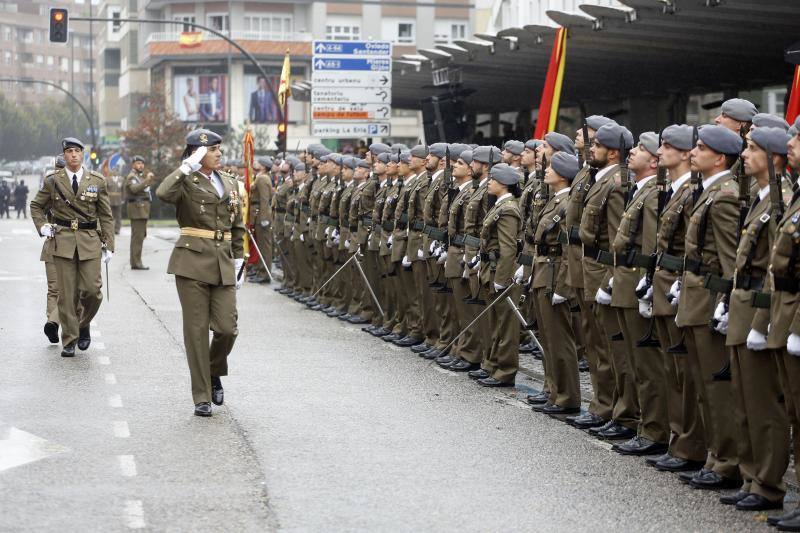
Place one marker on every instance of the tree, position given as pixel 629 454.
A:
pixel 232 142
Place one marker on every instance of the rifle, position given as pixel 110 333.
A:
pixel 624 173
pixel 452 189
pixel 694 178
pixel 775 192
pixel 744 181
pixel 545 187
pixel 585 134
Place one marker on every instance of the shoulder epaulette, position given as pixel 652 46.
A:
pixel 97 175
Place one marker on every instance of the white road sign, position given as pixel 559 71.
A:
pixel 351 78
pixel 353 95
pixel 350 111
pixel 353 130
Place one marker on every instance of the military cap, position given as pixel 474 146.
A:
pixel 598 121
pixel 438 149
pixel 532 144
pixel 420 151
pixel 362 163
pixel 405 156
pixel 560 142
pixel 515 147
pixel 265 161
pixel 768 120
pixel 739 109
pixel 721 139
pixel 349 161
pixel 792 131
pixel 649 140
pixel 60 163
pixel 384 157
pixel 456 149
pixel 772 139
pixel 505 174
pixel 466 156
pixel 609 136
pixel 281 155
pixel 300 167
pixel 336 158
pixel 292 160
pixel 679 136
pixel 399 146
pixel 202 137
pixel 379 148
pixel 321 151
pixel 70 142
pixel 137 158
pixel 565 165
pixel 481 154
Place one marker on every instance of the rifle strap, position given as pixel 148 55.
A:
pixel 66 201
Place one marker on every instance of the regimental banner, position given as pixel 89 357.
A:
pixel 351 89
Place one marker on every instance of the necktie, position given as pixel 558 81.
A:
pixel 795 197
pixel 75 184
pixel 754 204
pixel 697 192
pixel 668 196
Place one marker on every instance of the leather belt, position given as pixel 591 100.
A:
pixel 791 285
pixel 761 300
pixel 747 282
pixel 574 235
pixel 525 260
pixel 670 263
pixel 718 284
pixel 75 224
pixel 554 250
pixel 216 235
pixel 458 240
pixel 488 256
pixel 417 225
pixel 604 257
pixel 388 225
pixel 436 234
pixel 636 259
pixel 366 220
pixel 474 242
pixel 694 266
pixel 132 200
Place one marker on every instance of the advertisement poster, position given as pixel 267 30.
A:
pixel 262 108
pixel 201 97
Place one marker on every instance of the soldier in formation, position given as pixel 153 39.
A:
pixel 139 198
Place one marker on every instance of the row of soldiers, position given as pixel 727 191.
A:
pixel 677 254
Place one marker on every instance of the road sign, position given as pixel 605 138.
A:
pixel 354 130
pixel 368 95
pixel 351 88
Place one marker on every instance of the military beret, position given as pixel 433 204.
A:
pixel 60 163
pixel 768 120
pixel 399 146
pixel 721 139
pixel 598 121
pixel 280 155
pixel 438 149
pixel 314 146
pixel 379 148
pixel 739 109
pixel 237 162
pixel 321 151
pixel 649 140
pixel 202 137
pixel 466 156
pixel 405 156
pixel 384 157
pixel 515 147
pixel 456 149
pixel 503 173
pixel 792 131
pixel 772 139
pixel 565 165
pixel 335 158
pixel 300 167
pixel 349 161
pixel 361 163
pixel 265 161
pixel 137 158
pixel 679 136
pixel 292 160
pixel 394 158
pixel 481 154
pixel 610 134
pixel 420 151
pixel 560 142
pixel 532 144
pixel 71 142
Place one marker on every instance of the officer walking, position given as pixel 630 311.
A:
pixel 137 187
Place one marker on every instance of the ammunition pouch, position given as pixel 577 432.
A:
pixel 603 257
pixel 747 282
pixel 388 225
pixel 417 225
pixel 639 260
pixel 436 233
pixel 489 256
pixel 695 267
pixel 458 240
pixel 574 235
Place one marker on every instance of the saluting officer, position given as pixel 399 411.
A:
pixel 206 261
pixel 137 187
pixel 78 200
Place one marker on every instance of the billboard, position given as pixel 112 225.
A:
pixel 262 108
pixel 200 97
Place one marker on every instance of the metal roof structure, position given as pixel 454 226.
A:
pixel 650 47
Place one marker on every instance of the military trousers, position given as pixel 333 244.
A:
pixel 501 361
pixel 598 355
pixel 427 311
pixel 414 321
pixel 626 405
pixel 387 295
pixel 789 367
pixel 763 424
pixel 444 314
pixel 397 274
pixel 79 294
pixel 370 264
pixel 300 266
pixel 52 291
pixel 561 364
pixel 207 308
pixel 264 243
pixel 138 234
pixel 116 212
pixel 474 342
pixel 685 423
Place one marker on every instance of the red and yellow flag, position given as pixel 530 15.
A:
pixel 248 154
pixel 551 94
pixel 190 39
pixel 793 106
pixel 285 89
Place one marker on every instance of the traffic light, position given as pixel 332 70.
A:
pixel 281 136
pixel 59 24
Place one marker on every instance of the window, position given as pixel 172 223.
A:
pixel 39 59
pixel 76 65
pixel 186 18
pixel 64 85
pixel 405 32
pixel 27 58
pixel 64 64
pixel 278 26
pixel 88 64
pixel 7 57
pixel 26 35
pixel 399 31
pixel 338 28
pixel 8 33
pixel 116 25
pixel 50 61
pixel 447 31
pixel 11 7
pixel 218 22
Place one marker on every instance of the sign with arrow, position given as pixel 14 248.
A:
pixel 351 93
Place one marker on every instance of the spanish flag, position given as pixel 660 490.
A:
pixel 190 39
pixel 551 94
pixel 284 89
pixel 248 155
pixel 793 106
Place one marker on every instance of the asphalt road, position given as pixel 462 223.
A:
pixel 324 429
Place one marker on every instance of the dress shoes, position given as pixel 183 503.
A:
pixel 84 338
pixel 462 365
pixel 651 461
pixel 69 350
pixel 773 520
pixel 317 307
pixel 583 365
pixel 369 329
pixel 756 502
pixel 557 410
pixel 140 267
pixel 678 464
pixel 357 319
pixel 586 421
pixel 597 429
pixel 431 354
pixel 391 337
pixel 537 354
pixel 539 407
pixel 405 342
pixel 689 475
pixel 381 332
pixel 51 330
pixel 712 480
pixel 311 302
pixel 540 398
pixel 446 358
pixel 616 432
pixel 345 316
pixel 733 499
pixel 421 347
pixel 494 383
pixel 217 393
pixel 478 374
pixel 640 446
pixel 202 409
pixel 336 313
pixel 526 347
pixel 789 524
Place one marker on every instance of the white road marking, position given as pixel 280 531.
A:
pixel 93 323
pixel 111 379
pixel 97 333
pixel 134 514
pixel 127 465
pixel 103 360
pixel 115 400
pixel 11 278
pixel 99 345
pixel 121 429
pixel 18 231
pixel 19 447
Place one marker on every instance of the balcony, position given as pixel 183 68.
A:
pixel 236 35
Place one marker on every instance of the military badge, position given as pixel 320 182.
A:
pixel 203 139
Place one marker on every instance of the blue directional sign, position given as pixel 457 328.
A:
pixel 370 64
pixel 352 48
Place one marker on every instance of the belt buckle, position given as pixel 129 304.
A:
pixel 73 224
pixel 218 234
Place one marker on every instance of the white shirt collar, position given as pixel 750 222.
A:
pixel 464 185
pixel 503 197
pixel 642 182
pixel 605 170
pixel 763 193
pixel 437 174
pixel 565 190
pixel 79 173
pixel 484 180
pixel 216 181
pixel 301 186
pixel 709 181
pixel 678 183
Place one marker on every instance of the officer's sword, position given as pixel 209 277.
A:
pixel 283 254
pixel 333 276
pixel 523 322
pixel 369 287
pixel 260 255
pixel 108 288
pixel 486 309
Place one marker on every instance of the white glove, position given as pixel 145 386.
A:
pixel 518 275
pixel 675 292
pixel 308 221
pixel 420 255
pixel 192 163
pixel 48 230
pixel 793 344
pixel 265 223
pixel 302 239
pixel 602 297
pixel 557 299
pixel 645 309
pixel 498 287
pixel 347 243
pixel 477 267
pixel 434 245
pixel 406 262
pixel 611 282
pixel 642 284
pixel 237 265
pixel 327 231
pixel 336 239
pixel 721 316
pixel 442 259
pixel 389 241
pixel 106 256
pixel 756 341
